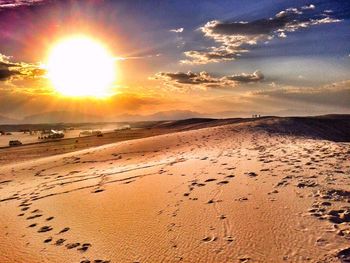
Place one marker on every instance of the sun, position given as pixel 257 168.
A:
pixel 81 67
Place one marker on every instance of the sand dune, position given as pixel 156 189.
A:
pixel 266 190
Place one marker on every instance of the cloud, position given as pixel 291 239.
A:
pixel 235 38
pixel 308 7
pixel 147 56
pixel 8 4
pixel 177 30
pixel 336 94
pixel 6 74
pixel 328 11
pixel 204 80
pixel 204 57
pixel 247 78
pixel 187 78
pixel 9 70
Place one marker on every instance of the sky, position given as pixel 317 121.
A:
pixel 217 57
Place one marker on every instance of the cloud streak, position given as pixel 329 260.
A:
pixel 177 30
pixel 247 78
pixel 336 94
pixel 9 4
pixel 236 38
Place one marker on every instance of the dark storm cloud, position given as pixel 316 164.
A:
pixel 234 38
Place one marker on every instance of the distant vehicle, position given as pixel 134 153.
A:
pixel 97 133
pixel 122 128
pixel 91 133
pixel 56 136
pixel 85 133
pixel 51 134
pixel 15 143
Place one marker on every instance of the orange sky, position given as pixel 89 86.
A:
pixel 171 57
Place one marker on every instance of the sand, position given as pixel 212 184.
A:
pixel 232 193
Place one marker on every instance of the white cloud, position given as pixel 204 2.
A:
pixel 177 30
pixel 234 38
pixel 308 7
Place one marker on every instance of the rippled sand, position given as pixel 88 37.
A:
pixel 220 194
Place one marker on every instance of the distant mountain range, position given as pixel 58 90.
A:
pixel 79 117
pixel 52 117
pixel 61 117
pixel 164 115
pixel 5 120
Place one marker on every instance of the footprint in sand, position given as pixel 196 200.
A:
pixel 229 239
pixel 48 240
pixel 344 255
pixel 34 216
pixel 98 191
pixel 95 261
pixel 45 229
pixel 252 174
pixel 64 230
pixel 84 247
pixel 60 242
pixel 244 259
pixel 223 182
pixel 208 239
pixel 210 180
pixel 72 245
pixel 241 199
pixel 339 216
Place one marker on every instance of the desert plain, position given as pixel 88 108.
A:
pixel 243 190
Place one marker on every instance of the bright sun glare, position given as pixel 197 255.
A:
pixel 81 67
